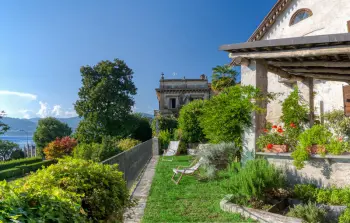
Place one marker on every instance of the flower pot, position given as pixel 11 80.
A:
pixel 316 149
pixel 277 149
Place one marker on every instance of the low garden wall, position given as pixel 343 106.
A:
pixel 321 171
pixel 132 161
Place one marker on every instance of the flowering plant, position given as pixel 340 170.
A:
pixel 271 137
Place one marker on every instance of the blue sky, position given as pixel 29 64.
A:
pixel 43 44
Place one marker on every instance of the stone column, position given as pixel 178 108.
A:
pixel 255 74
pixel 155 146
pixel 306 90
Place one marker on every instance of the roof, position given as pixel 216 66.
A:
pixel 269 20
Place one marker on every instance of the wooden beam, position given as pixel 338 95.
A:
pixel 311 64
pixel 283 73
pixel 308 52
pixel 320 70
pixel 337 57
pixel 329 77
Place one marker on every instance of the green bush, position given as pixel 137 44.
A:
pixel 10 173
pixel 142 130
pixel 226 115
pixel 317 135
pixel 182 150
pixel 13 163
pixel 309 213
pixel 165 123
pixel 338 123
pixel 255 178
pixel 345 216
pixel 216 156
pixel 101 187
pixel 37 203
pixel 126 144
pixel 97 151
pixel 35 166
pixel 305 192
pixel 164 139
pixel 189 122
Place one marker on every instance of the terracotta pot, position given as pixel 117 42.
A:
pixel 277 149
pixel 316 149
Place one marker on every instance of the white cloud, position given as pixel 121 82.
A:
pixel 44 110
pixel 25 113
pixel 19 94
pixel 69 114
pixel 56 111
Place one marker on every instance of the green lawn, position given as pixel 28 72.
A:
pixel 190 201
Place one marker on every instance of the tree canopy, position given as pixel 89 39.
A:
pixel 105 99
pixel 48 130
pixel 3 126
pixel 223 77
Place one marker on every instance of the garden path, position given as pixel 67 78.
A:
pixel 134 215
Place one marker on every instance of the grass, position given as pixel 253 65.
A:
pixel 192 200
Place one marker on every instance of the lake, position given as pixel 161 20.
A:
pixel 20 140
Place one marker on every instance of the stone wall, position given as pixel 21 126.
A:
pixel 325 172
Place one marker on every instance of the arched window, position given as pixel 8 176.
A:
pixel 300 15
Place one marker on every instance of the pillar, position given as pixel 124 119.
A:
pixel 254 74
pixel 306 90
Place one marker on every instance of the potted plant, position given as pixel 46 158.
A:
pixel 273 140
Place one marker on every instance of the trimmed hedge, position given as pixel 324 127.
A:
pixel 21 170
pixel 13 163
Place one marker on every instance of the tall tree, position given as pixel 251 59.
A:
pixel 105 99
pixel 223 77
pixel 48 130
pixel 3 126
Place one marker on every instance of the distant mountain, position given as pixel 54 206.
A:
pixel 29 125
pixel 147 115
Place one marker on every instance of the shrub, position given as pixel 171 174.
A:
pixel 142 130
pixel 182 150
pixel 17 154
pixel 165 123
pixel 101 187
pixel 34 166
pixel 48 130
pixel 164 139
pixel 36 203
pixel 126 144
pixel 345 216
pixel 226 115
pixel 255 178
pixel 178 134
pixel 338 123
pixel 97 151
pixel 60 147
pixel 309 213
pixel 334 196
pixel 305 192
pixel 10 173
pixel 317 135
pixel 13 163
pixel 189 122
pixel 216 156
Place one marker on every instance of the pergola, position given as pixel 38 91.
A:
pixel 299 59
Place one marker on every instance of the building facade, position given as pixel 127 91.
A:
pixel 172 94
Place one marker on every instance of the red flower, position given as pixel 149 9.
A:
pixel 274 126
pixel 292 125
pixel 269 146
pixel 265 130
pixel 280 130
pixel 340 139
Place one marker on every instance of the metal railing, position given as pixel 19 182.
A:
pixel 132 161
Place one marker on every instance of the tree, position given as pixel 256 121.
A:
pixel 6 149
pixel 165 123
pixel 3 126
pixel 189 117
pixel 105 99
pixel 142 130
pixel 48 130
pixel 226 115
pixel 60 147
pixel 223 77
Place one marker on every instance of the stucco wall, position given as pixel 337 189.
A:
pixel 323 172
pixel 329 17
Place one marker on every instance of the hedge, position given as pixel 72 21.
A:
pixel 13 163
pixel 21 170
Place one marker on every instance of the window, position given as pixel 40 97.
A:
pixel 300 15
pixel 172 103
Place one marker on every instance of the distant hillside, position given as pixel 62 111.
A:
pixel 29 125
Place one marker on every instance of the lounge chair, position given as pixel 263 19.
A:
pixel 190 170
pixel 171 151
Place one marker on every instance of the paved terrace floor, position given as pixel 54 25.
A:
pixel 141 193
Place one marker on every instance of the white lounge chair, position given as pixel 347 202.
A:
pixel 190 170
pixel 171 151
